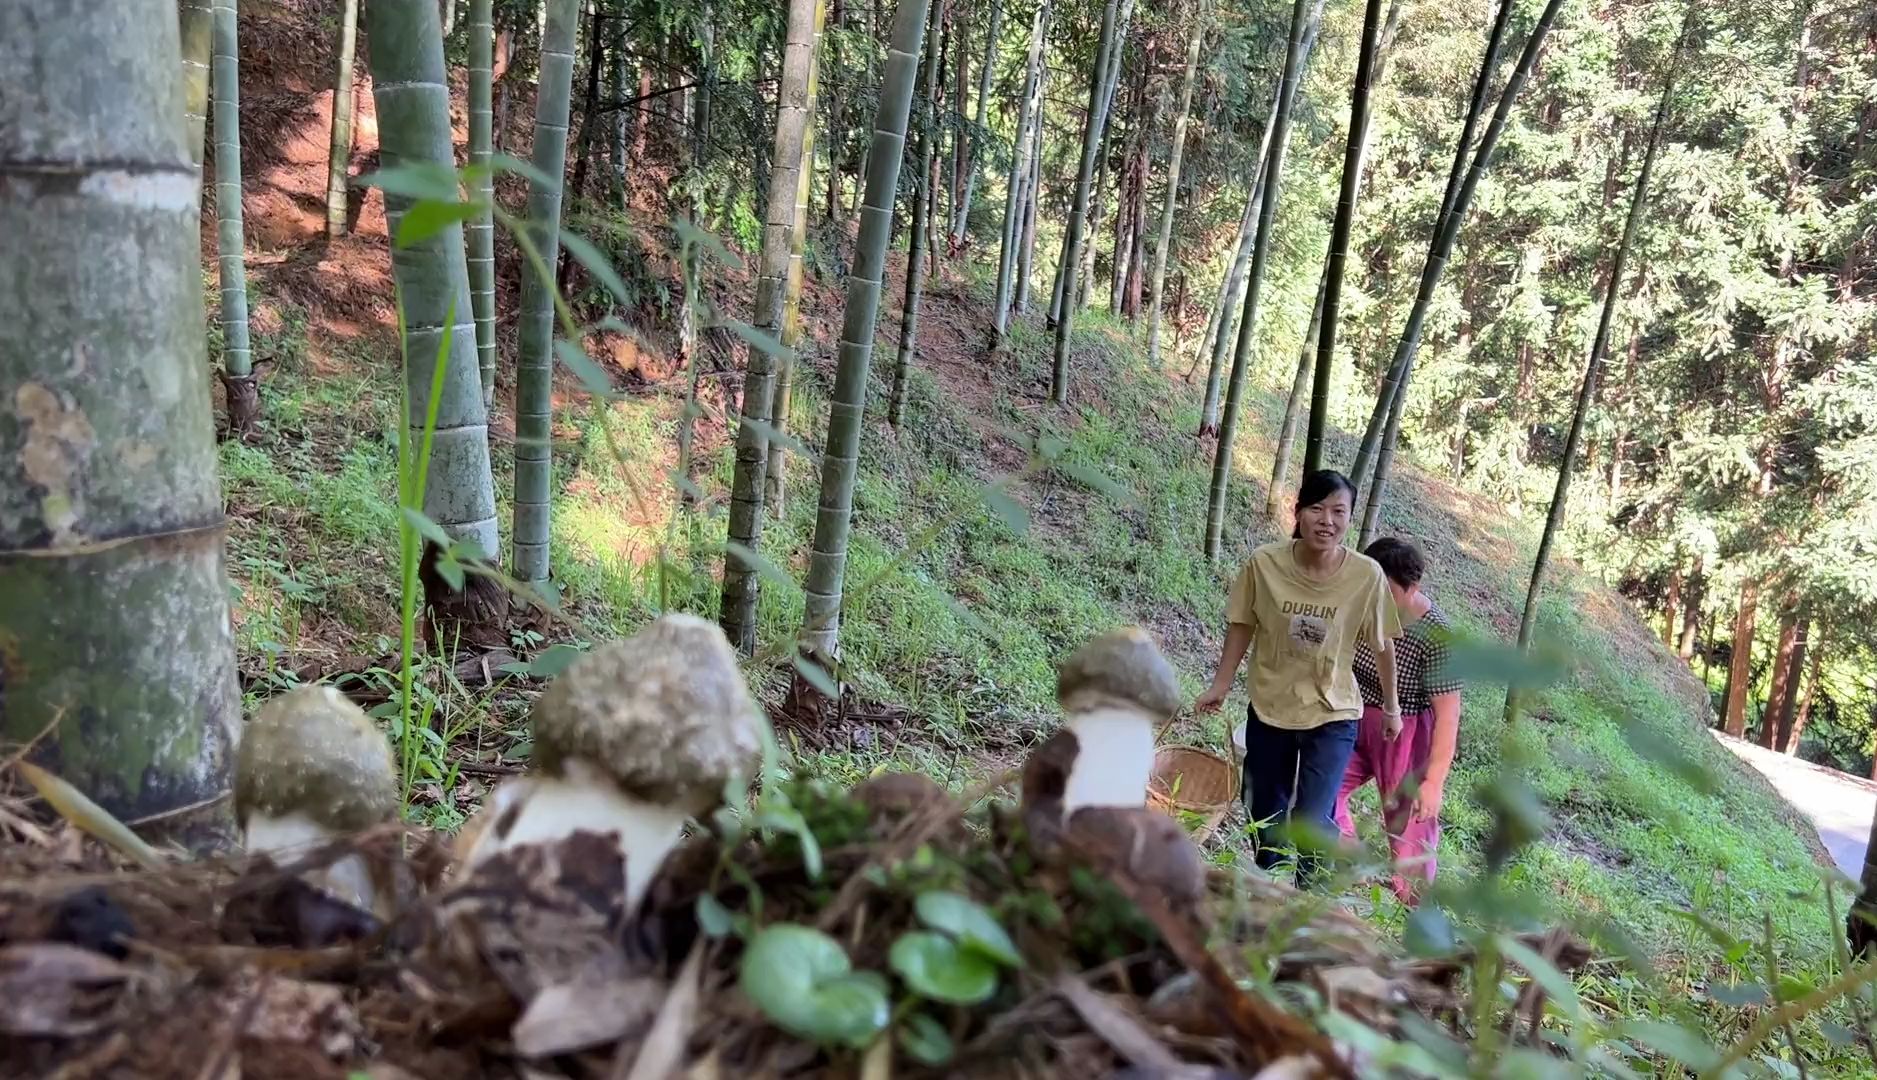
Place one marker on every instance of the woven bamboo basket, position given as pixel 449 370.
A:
pixel 1194 781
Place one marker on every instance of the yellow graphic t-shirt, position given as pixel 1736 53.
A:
pixel 1304 634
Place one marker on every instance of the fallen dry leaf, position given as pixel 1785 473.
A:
pixel 1117 1026
pixel 48 988
pixel 305 1013
pixel 660 1055
pixel 577 1015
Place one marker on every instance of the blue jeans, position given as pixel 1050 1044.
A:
pixel 1291 778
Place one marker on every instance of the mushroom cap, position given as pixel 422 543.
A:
pixel 1122 665
pixel 313 752
pixel 664 713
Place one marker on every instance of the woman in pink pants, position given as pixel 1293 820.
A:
pixel 1409 764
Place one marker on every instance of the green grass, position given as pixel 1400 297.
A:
pixel 952 647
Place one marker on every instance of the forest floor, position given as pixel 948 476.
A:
pixel 958 608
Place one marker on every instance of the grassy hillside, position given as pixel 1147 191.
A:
pixel 960 607
pixel 952 648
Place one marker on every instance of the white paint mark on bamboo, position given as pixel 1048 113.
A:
pixel 171 191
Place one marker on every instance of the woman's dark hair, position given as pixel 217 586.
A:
pixel 1318 486
pixel 1400 560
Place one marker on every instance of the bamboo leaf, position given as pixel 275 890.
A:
pixel 1546 974
pixel 418 180
pixel 1010 510
pixel 591 374
pixel 690 234
pixel 519 167
pixel 816 675
pixel 426 528
pixel 596 263
pixel 755 560
pixel 756 339
pixel 1689 1047
pixel 1096 480
pixel 430 217
pixel 74 806
pixel 781 438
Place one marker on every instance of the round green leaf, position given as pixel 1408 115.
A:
pixel 804 983
pixel 965 919
pixel 936 968
pixel 925 1041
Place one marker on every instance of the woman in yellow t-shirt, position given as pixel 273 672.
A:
pixel 1299 606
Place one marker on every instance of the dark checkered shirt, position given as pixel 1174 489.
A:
pixel 1420 664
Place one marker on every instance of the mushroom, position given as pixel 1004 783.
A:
pixel 311 768
pixel 1115 691
pixel 634 739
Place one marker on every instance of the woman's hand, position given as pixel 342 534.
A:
pixel 1391 724
pixel 1427 800
pixel 1210 701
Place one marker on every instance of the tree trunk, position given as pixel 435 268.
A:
pixel 197 22
pixel 343 97
pixel 118 664
pixel 534 367
pixel 479 230
pixel 1175 158
pixel 1369 64
pixel 741 584
pixel 1016 187
pixel 1384 468
pixel 774 476
pixel 827 566
pixel 1232 288
pixel 1861 921
pixel 837 116
pixel 1063 309
pixel 1293 408
pixel 934 164
pixel 1691 610
pixel 962 219
pixel 1437 249
pixel 1778 695
pixel 616 119
pixel 411 93
pixel 1302 16
pixel 640 124
pixel 1231 292
pixel 1672 605
pixel 1740 666
pixel 1787 704
pixel 1085 268
pixel 960 33
pixel 1026 252
pixel 446 10
pixel 924 200
pixel 589 113
pixel 1586 393
pixel 244 397
pixel 1795 731
pixel 1448 231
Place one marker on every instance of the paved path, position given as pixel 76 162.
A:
pixel 1838 804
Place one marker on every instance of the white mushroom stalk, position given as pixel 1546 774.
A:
pixel 632 741
pixel 1115 691
pixel 1114 759
pixel 313 768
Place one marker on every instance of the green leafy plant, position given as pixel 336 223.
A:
pixel 804 982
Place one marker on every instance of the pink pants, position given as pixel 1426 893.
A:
pixel 1394 764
